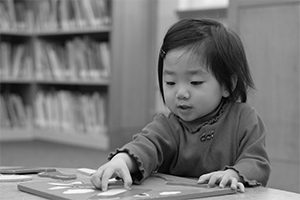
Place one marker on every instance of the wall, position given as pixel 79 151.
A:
pixel 270 30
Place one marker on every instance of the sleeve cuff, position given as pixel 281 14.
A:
pixel 247 182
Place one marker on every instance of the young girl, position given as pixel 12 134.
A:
pixel 210 133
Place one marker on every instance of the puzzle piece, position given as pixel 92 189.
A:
pixel 22 170
pixel 14 178
pixel 86 171
pixel 57 175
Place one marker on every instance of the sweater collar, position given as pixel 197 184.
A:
pixel 212 117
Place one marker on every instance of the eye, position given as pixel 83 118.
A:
pixel 197 82
pixel 170 83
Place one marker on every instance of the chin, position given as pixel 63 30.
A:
pixel 187 118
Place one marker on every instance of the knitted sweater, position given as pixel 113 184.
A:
pixel 232 136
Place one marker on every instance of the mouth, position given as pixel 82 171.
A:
pixel 184 107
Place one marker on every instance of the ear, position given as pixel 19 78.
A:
pixel 226 93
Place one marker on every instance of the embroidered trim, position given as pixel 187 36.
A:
pixel 207 136
pixel 244 179
pixel 214 119
pixel 210 121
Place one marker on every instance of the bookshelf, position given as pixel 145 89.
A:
pixel 129 89
pixel 55 71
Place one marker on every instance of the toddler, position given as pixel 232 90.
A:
pixel 211 132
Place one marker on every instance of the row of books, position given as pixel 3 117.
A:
pixel 60 110
pixel 14 113
pixel 77 59
pixel 53 14
pixel 15 60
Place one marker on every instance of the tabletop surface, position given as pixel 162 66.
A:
pixel 9 190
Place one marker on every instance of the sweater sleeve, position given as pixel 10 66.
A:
pixel 150 147
pixel 252 163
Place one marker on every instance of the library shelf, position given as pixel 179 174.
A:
pixel 16 33
pixel 57 32
pixel 97 140
pixel 7 80
pixel 83 31
pixel 102 81
pixel 55 70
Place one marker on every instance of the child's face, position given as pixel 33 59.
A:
pixel 190 90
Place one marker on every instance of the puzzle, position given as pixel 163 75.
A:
pixel 155 187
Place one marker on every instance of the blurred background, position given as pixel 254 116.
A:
pixel 78 77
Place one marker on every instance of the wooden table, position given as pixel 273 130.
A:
pixel 9 191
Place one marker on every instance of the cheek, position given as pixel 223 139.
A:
pixel 169 96
pixel 167 90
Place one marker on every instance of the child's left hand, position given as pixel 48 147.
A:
pixel 223 178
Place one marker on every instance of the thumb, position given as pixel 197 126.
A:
pixel 204 178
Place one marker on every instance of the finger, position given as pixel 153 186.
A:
pixel 96 178
pixel 233 184
pixel 107 174
pixel 204 178
pixel 241 187
pixel 214 179
pixel 224 181
pixel 125 174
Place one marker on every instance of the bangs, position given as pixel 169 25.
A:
pixel 201 52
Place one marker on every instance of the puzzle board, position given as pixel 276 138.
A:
pixel 155 187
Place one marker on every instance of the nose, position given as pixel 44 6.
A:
pixel 182 93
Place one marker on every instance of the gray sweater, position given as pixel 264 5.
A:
pixel 232 136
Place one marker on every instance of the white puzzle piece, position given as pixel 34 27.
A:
pixel 112 192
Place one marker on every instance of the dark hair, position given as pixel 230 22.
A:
pixel 221 48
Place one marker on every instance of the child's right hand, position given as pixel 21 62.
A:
pixel 117 166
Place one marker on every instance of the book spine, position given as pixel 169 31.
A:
pixel 67 111
pixel 14 113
